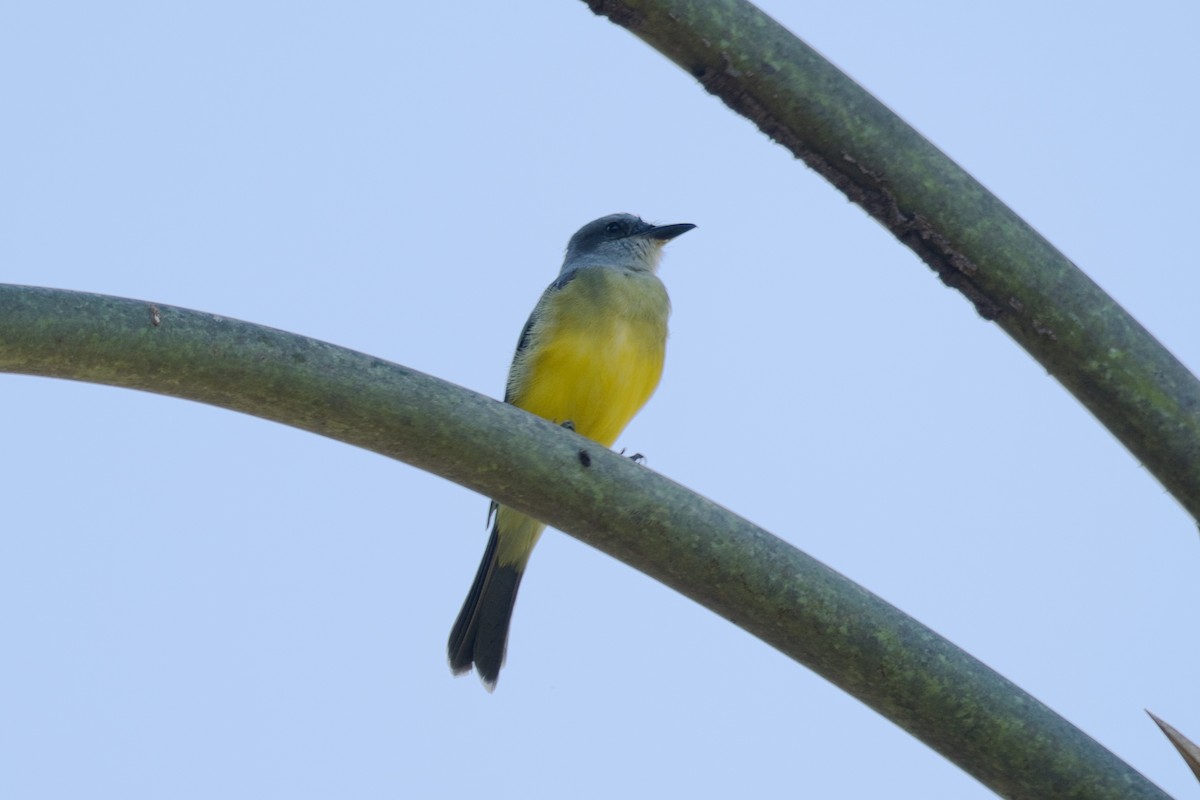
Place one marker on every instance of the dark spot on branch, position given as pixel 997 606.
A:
pixel 584 458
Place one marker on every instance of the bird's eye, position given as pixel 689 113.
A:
pixel 613 227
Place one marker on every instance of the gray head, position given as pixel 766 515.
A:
pixel 620 240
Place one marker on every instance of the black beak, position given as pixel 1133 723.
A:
pixel 665 233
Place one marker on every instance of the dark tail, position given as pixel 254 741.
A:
pixel 480 634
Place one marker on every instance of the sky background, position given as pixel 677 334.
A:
pixel 197 604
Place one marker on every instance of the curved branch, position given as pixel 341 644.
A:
pixel 975 243
pixel 900 668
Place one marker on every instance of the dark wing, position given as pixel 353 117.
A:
pixel 527 331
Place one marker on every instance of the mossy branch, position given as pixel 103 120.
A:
pixel 975 243
pixel 908 673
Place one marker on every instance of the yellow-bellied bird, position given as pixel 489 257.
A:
pixel 589 358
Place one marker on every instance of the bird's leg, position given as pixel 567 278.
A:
pixel 636 458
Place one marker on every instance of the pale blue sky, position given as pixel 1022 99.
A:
pixel 198 604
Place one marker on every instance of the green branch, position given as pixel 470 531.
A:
pixel 905 671
pixel 975 243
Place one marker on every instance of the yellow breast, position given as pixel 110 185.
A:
pixel 595 352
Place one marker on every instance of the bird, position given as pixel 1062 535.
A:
pixel 588 358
